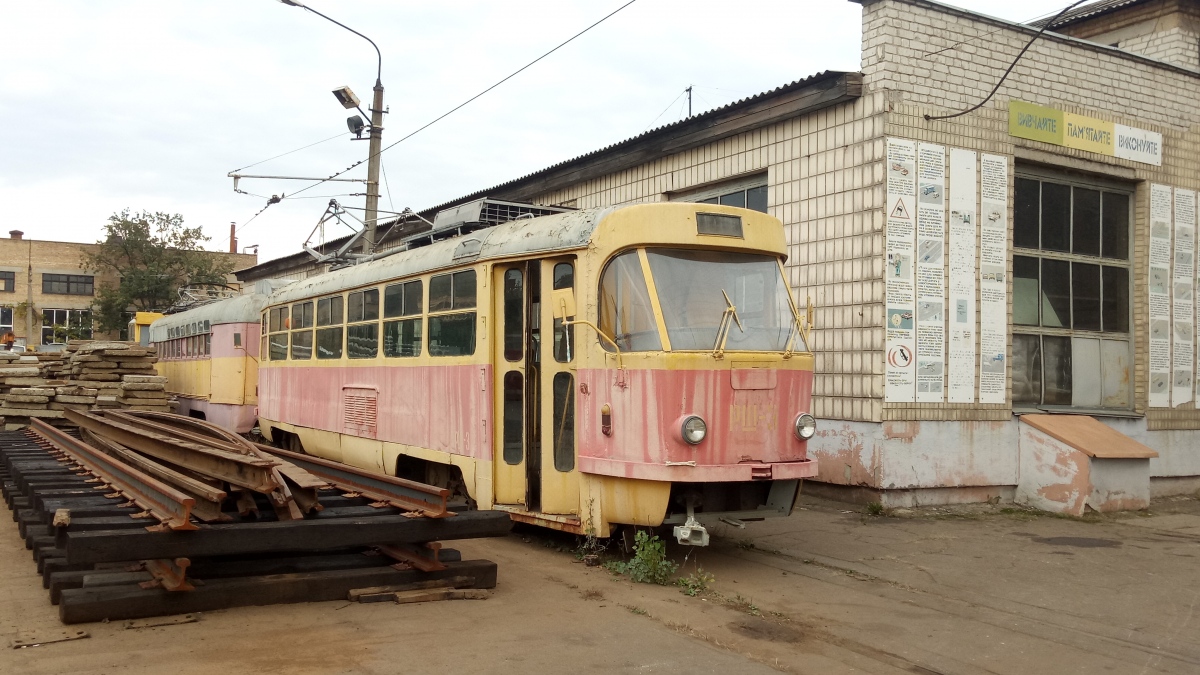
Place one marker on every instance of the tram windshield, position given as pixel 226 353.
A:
pixel 699 292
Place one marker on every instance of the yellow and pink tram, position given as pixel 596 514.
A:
pixel 634 365
pixel 209 356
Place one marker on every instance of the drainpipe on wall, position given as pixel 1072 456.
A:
pixel 29 300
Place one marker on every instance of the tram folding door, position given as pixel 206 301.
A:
pixel 534 462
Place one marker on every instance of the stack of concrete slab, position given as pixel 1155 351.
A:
pixel 74 397
pixel 54 365
pixel 22 403
pixel 100 365
pixel 144 392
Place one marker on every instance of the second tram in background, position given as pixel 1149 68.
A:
pixel 209 356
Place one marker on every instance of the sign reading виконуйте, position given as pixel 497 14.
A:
pixel 1039 123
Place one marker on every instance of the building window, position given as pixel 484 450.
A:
pixel 67 284
pixel 8 282
pixel 6 320
pixel 754 198
pixel 747 192
pixel 61 325
pixel 1071 293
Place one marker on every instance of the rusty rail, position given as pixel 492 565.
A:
pixel 169 506
pixel 245 471
pixel 398 492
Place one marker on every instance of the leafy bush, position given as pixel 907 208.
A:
pixel 649 564
pixel 695 583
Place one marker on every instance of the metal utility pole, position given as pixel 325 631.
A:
pixel 372 206
pixel 371 218
pixel 689 92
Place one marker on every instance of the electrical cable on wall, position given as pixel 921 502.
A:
pixel 1012 65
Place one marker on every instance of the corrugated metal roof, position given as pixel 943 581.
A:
pixel 1086 12
pixel 496 189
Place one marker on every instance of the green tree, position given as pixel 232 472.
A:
pixel 152 254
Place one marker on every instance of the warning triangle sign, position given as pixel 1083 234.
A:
pixel 900 211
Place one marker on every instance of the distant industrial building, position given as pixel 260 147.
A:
pixel 42 286
pixel 974 259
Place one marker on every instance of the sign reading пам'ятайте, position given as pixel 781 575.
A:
pixel 1057 127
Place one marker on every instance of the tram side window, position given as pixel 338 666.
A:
pixel 564 422
pixel 329 340
pixel 625 312
pixel 302 340
pixel 403 337
pixel 277 340
pixel 452 334
pixel 362 335
pixel 564 336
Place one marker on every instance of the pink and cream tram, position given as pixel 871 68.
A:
pixel 635 365
pixel 209 356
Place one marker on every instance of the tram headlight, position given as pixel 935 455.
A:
pixel 806 426
pixel 694 429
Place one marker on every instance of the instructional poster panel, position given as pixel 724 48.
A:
pixel 1183 301
pixel 964 226
pixel 931 273
pixel 900 382
pixel 993 289
pixel 1159 285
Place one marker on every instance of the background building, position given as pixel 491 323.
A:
pixel 1034 254
pixel 43 286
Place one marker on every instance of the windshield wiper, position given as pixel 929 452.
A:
pixel 728 317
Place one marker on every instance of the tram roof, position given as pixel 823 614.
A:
pixel 546 234
pixel 240 309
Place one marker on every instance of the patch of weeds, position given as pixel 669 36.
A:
pixel 636 610
pixel 589 549
pixel 695 583
pixel 592 594
pixel 746 545
pixel 649 564
pixel 876 509
pixel 743 605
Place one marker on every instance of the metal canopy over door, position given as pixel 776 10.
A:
pixel 535 387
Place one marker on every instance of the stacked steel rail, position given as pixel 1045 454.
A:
pixel 147 514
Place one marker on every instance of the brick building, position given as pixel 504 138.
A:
pixel 1033 256
pixel 46 276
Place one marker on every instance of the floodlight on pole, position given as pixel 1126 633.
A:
pixel 349 100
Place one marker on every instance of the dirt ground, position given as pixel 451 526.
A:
pixel 986 589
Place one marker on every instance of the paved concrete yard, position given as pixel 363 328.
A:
pixel 983 589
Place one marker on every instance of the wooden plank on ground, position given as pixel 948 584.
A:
pixel 79 605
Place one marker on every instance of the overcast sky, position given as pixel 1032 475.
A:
pixel 149 104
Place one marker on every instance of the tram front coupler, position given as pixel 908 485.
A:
pixel 691 532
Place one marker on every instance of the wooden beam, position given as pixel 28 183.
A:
pixel 79 605
pixel 317 534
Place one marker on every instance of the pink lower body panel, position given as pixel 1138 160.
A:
pixel 445 408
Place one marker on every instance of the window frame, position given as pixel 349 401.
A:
pixel 1072 262
pixel 8 281
pixel 456 311
pixel 74 284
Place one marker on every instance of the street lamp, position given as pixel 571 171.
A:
pixel 349 100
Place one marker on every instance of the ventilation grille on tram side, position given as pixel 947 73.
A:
pixel 360 412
